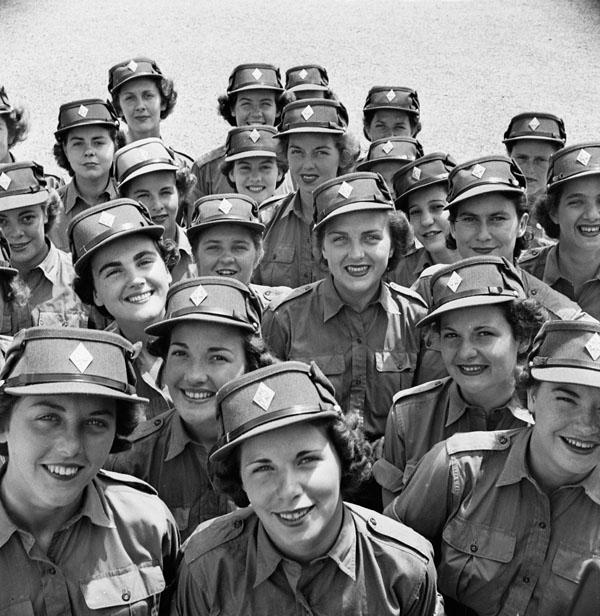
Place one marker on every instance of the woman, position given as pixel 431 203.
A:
pixel 570 213
pixel 28 209
pixel 171 451
pixel 314 138
pixel 14 126
pixel 421 192
pixel 514 514
pixel 391 111
pixel 143 97
pixel 298 548
pixel 13 296
pixel 307 81
pixel 485 326
pixel 122 265
pixel 86 139
pixel 148 173
pixel 76 539
pixel 227 240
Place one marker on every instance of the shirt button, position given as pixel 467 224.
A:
pixel 356 382
pixel 533 291
pixel 52 571
pixel 542 524
pixel 126 595
pixel 373 521
pixel 473 548
pixel 157 422
pixel 526 579
pixel 237 524
pixel 503 440
pixel 359 340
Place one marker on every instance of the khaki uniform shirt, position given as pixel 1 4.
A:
pixel 375 567
pixel 186 267
pixel 503 546
pixel 176 466
pixel 543 264
pixel 428 414
pixel 115 556
pixel 368 356
pixel 410 267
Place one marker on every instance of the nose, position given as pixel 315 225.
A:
pixel 256 114
pixel 483 231
pixel 154 205
pixel 69 443
pixel 197 373
pixel 290 487
pixel 12 231
pixel 356 250
pixel 426 218
pixel 226 256
pixel 592 211
pixel 466 350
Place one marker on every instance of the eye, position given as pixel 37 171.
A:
pixel 262 468
pixel 373 238
pixel 449 335
pixel 96 422
pixel 308 459
pixel 177 353
pixel 48 417
pixel 219 358
pixel 466 219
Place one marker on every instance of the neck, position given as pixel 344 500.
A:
pixel 203 432
pixel 577 265
pixel 491 398
pixel 136 136
pixel 358 302
pixel 443 255
pixel 25 267
pixel 92 189
pixel 134 331
pixel 7 158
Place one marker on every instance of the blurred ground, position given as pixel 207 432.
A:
pixel 475 63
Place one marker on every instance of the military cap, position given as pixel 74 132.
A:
pixel 573 162
pixel 212 299
pixel 254 77
pixel 5 106
pixel 69 360
pixel 566 352
pixel 312 77
pixel 141 157
pixel 133 68
pixel 228 208
pixel 312 115
pixel 477 281
pixel 540 126
pixel 97 226
pixel 270 398
pixel 392 97
pixel 423 172
pixel 250 141
pixel 22 184
pixel 5 267
pixel 85 112
pixel 484 175
pixel 391 149
pixel 353 192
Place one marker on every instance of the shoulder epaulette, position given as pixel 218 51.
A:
pixel 293 294
pixel 126 480
pixel 431 270
pixel 419 389
pixel 480 441
pixel 530 255
pixel 268 208
pixel 269 296
pixel 209 157
pixel 406 292
pixel 213 533
pixel 150 426
pixel 188 159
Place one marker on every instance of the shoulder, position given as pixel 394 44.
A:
pixel 119 482
pixel 268 208
pixel 406 293
pixel 471 442
pixel 433 388
pixel 151 427
pixel 300 292
pixel 534 254
pixel 210 157
pixel 270 295
pixel 217 532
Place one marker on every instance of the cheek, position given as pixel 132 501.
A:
pixel 174 370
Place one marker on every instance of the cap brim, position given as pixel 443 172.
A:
pixel 484 189
pixel 269 426
pixel 575 176
pixel 254 226
pixel 304 87
pixel 393 107
pixel 135 76
pixel 578 376
pixel 150 168
pixel 72 387
pixel 359 206
pixel 8 271
pixel 251 154
pixel 163 327
pixel 534 138
pixel 256 87
pixel 367 165
pixel 309 129
pixel 400 201
pixel 472 301
pixel 13 202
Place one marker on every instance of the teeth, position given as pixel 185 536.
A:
pixel 589 228
pixel 138 299
pixel 580 444
pixel 293 516
pixel 471 369
pixel 64 471
pixel 226 272
pixel 198 395
pixel 255 189
pixel 356 269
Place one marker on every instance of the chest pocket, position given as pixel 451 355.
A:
pixel 329 364
pixel 24 608
pixel 132 591
pixel 394 361
pixel 282 254
pixel 568 563
pixel 472 556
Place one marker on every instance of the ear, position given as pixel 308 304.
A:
pixel 230 175
pixel 523 348
pixel 531 397
pixel 96 298
pixel 522 225
pixel 45 213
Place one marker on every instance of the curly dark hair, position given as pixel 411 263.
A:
pixel 83 284
pixel 415 122
pixel 226 103
pixel 521 207
pixel 58 149
pixel 546 205
pixel 400 236
pixel 17 125
pixel 128 415
pixel 282 166
pixel 53 206
pixel 348 440
pixel 168 97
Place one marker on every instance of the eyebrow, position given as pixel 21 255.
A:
pixel 565 390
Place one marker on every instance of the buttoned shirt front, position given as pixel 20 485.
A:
pixel 164 455
pixel 115 556
pixel 230 566
pixel 504 546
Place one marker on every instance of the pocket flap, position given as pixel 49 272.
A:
pixel 329 364
pixel 283 254
pixel 393 361
pixel 568 563
pixel 479 540
pixel 123 587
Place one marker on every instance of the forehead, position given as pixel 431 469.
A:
pixel 208 334
pixel 309 141
pixel 19 211
pixel 86 132
pixel 470 317
pixel 123 249
pixel 421 196
pixel 226 232
pixel 532 147
pixel 585 392
pixel 589 184
pixel 486 204
pixel 154 179
pixel 390 115
pixel 138 85
pixel 254 161
pixel 255 95
pixel 74 403
pixel 358 222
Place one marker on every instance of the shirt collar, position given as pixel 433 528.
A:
pixel 552 272
pixel 50 264
pixel 293 205
pixel 73 196
pixel 178 437
pixel 333 303
pixel 183 244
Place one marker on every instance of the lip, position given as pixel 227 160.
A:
pixel 197 396
pixel 471 369
pixel 579 446
pixel 63 472
pixel 483 251
pixel 255 189
pixel 19 247
pixel 159 220
pixel 357 270
pixel 295 517
pixel 226 271
pixel 309 178
pixel 589 230
pixel 430 234
pixel 139 297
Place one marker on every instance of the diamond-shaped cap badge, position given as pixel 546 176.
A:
pixel 256 74
pixel 583 158
pixel 4 181
pixel 225 206
pixel 106 219
pixel 199 295
pixel 132 66
pixel 264 396
pixel 302 74
pixel 478 171
pixel 593 346
pixel 534 124
pixel 307 112
pixel 416 173
pixel 345 190
pixel 81 358
pixel 83 111
pixel 454 282
pixel 387 147
pixel 391 95
pixel 254 135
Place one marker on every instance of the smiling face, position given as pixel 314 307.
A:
pixel 357 247
pixel 428 217
pixel 254 107
pixel 23 228
pixel 56 446
pixel 158 192
pixel 202 357
pixel 90 150
pixel 578 215
pixel 389 123
pixel 565 444
pixel 141 104
pixel 4 138
pixel 533 157
pixel 480 351
pixel 488 225
pixel 255 177
pixel 292 479
pixel 131 280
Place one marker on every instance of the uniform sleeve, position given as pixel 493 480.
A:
pixel 276 334
pixel 189 599
pixel 170 556
pixel 430 365
pixel 427 601
pixel 389 469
